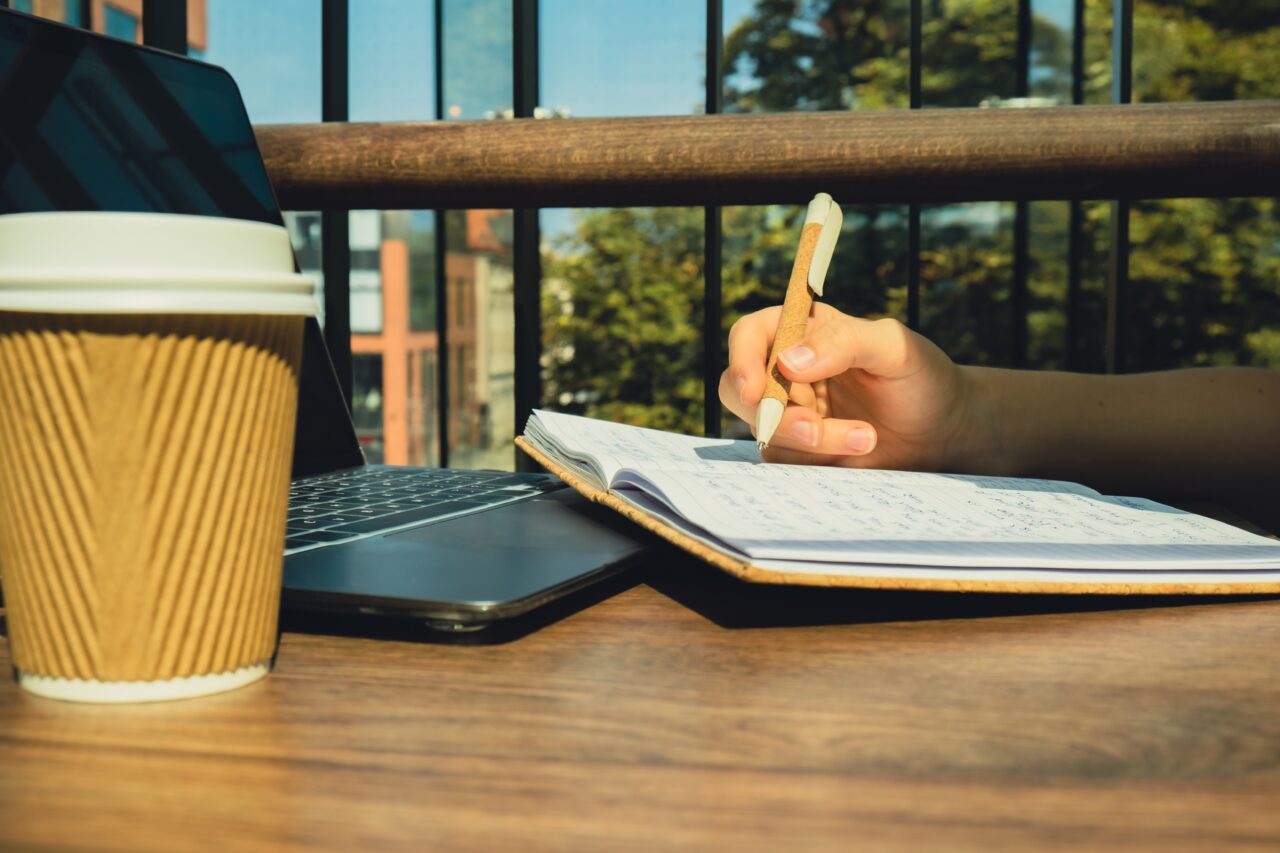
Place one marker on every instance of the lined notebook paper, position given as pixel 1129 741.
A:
pixel 842 522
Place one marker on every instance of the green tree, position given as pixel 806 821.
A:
pixel 1205 273
pixel 622 318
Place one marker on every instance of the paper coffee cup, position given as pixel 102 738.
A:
pixel 148 390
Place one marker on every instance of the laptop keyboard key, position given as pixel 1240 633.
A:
pixel 317 537
pixel 426 513
pixel 304 524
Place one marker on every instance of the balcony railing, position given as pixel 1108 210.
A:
pixel 1119 152
pixel 1089 152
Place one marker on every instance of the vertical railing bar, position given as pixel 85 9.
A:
pixel 1077 51
pixel 1020 296
pixel 915 100
pixel 334 236
pixel 1075 224
pixel 86 14
pixel 528 261
pixel 442 280
pixel 164 25
pixel 1022 51
pixel 712 293
pixel 1118 271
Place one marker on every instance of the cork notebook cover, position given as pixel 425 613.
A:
pixel 959 579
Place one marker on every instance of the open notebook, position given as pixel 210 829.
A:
pixel 895 529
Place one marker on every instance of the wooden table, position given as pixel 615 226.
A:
pixel 689 711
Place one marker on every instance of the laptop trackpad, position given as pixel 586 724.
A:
pixel 494 557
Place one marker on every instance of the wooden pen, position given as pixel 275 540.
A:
pixel 813 257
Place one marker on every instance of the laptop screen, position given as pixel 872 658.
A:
pixel 92 123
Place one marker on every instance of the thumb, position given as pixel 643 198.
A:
pixel 881 347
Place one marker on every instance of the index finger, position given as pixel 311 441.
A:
pixel 749 342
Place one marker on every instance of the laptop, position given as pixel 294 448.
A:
pixel 93 123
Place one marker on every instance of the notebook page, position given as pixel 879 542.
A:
pixel 616 446
pixel 1121 577
pixel 865 516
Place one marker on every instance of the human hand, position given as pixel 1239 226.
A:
pixel 864 393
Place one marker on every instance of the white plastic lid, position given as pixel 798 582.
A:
pixel 148 263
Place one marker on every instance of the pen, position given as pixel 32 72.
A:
pixel 817 243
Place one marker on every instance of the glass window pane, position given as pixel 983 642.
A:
pixel 1089 347
pixel 640 57
pixel 622 317
pixel 480 335
pixel 393 270
pixel 969 52
pixel 966 250
pixel 1204 274
pixel 67 11
pixel 479 271
pixel 365 234
pixel 119 24
pixel 815 56
pixel 1097 51
pixel 1205 51
pixel 1047 284
pixel 622 288
pixel 393 252
pixel 1204 284
pixel 392 63
pixel 966 273
pixel 273 52
pixel 477 63
pixel 367 403
pixel 1049 80
pixel 304 233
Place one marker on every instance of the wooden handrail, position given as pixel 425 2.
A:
pixel 1136 151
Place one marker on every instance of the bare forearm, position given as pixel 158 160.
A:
pixel 1211 433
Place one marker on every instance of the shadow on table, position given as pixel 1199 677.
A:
pixel 731 603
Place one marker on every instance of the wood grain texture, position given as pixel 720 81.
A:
pixel 840 720
pixel 1130 151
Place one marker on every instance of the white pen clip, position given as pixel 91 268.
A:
pixel 825 211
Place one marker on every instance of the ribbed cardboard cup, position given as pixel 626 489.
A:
pixel 148 388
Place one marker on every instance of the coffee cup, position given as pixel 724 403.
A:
pixel 149 371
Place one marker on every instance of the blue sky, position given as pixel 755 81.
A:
pixel 597 57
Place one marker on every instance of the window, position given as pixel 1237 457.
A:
pixel 273 52
pixel 623 288
pixel 622 291
pixel 119 24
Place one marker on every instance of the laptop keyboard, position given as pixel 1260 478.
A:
pixel 366 501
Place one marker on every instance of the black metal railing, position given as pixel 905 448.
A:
pixel 165 27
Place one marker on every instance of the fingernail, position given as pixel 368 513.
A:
pixel 738 383
pixel 798 357
pixel 804 432
pixel 859 440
